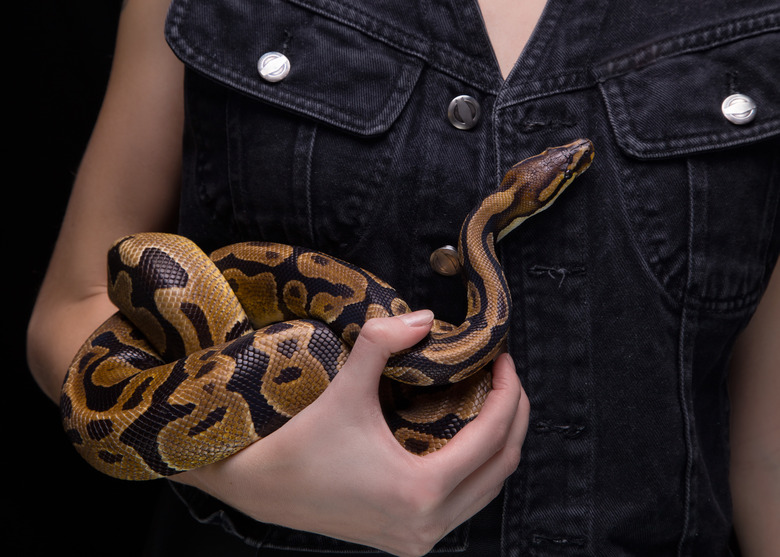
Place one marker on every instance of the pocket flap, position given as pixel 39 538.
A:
pixel 665 99
pixel 338 75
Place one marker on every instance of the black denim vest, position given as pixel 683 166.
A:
pixel 628 294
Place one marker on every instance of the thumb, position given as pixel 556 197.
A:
pixel 378 339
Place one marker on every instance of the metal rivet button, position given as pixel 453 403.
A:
pixel 464 112
pixel 273 66
pixel 738 109
pixel 445 261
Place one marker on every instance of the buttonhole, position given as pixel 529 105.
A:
pixel 555 272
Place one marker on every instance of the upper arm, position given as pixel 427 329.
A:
pixel 755 379
pixel 127 182
pixel 755 427
pixel 128 178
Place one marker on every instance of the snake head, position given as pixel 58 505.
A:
pixel 535 183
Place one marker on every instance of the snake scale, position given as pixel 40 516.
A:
pixel 208 354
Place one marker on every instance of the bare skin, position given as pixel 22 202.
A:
pixel 369 490
pixel 127 182
pixel 509 25
pixel 755 428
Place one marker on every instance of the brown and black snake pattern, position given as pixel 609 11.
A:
pixel 209 354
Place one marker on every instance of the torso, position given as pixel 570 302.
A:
pixel 625 296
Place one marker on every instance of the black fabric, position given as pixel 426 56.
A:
pixel 627 294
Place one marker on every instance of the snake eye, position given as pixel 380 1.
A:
pixel 569 174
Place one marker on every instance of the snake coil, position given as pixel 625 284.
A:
pixel 209 354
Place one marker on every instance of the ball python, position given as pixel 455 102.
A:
pixel 208 354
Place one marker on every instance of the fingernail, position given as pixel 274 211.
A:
pixel 417 318
pixel 507 358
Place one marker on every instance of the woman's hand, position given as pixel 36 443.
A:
pixel 336 469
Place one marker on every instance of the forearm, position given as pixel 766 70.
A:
pixel 127 182
pixel 56 332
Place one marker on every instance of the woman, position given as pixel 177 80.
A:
pixel 628 296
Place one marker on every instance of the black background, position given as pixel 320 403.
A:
pixel 56 70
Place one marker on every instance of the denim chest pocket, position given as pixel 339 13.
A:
pixel 292 144
pixel 700 193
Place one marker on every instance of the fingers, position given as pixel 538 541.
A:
pixel 468 472
pixel 486 482
pixel 500 426
pixel 378 339
pixel 451 485
pixel 487 450
pixel 476 461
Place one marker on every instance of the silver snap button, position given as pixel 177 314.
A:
pixel 273 66
pixel 464 112
pixel 445 261
pixel 738 109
